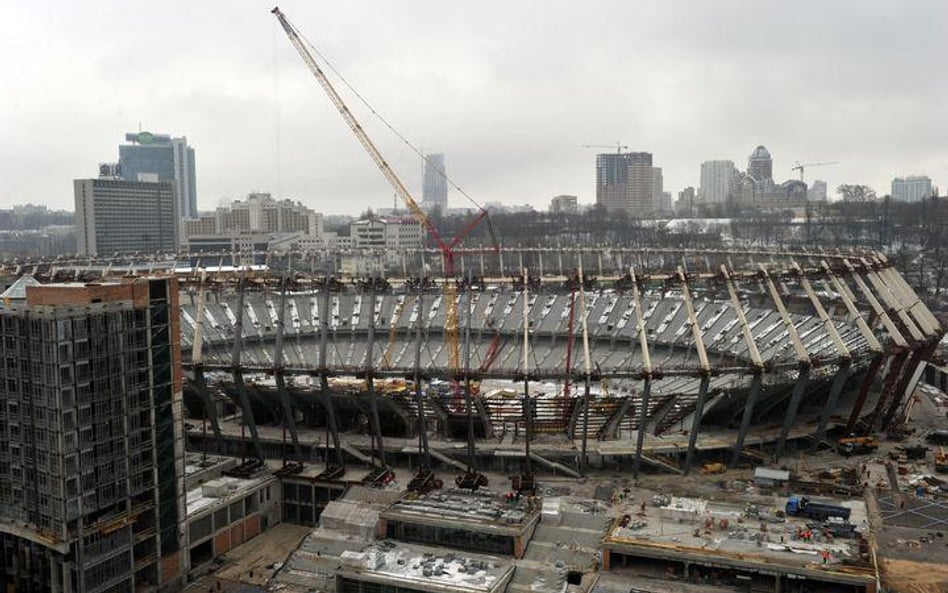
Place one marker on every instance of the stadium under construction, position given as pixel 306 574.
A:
pixel 671 357
pixel 356 398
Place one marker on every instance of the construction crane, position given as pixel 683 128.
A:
pixel 446 248
pixel 802 166
pixel 619 146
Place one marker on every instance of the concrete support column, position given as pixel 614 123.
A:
pixel 756 362
pixel 696 333
pixel 867 381
pixel 839 381
pixel 696 422
pixel 798 390
pixel 749 405
pixel 67 577
pixel 55 574
pixel 646 372
pixel 642 429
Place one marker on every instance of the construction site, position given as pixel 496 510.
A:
pixel 677 421
pixel 487 419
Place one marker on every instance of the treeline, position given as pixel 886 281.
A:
pixel 30 217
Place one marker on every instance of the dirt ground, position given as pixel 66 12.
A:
pixel 254 562
pixel 904 576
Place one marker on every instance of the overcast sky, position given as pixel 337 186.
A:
pixel 509 91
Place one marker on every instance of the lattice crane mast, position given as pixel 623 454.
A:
pixel 446 249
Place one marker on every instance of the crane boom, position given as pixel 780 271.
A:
pixel 803 166
pixel 356 128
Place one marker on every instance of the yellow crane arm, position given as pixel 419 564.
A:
pixel 356 128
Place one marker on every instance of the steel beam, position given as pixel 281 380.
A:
pixel 880 312
pixel 646 371
pixel 587 374
pixel 841 350
pixel 663 410
pixel 468 397
pixel 918 355
pixel 839 381
pixel 798 390
pixel 844 357
pixel 894 302
pixel 278 368
pixel 922 315
pixel 803 359
pixel 705 367
pixel 325 393
pixel 868 380
pixel 696 421
pixel 424 450
pixel 377 446
pixel 752 395
pixel 757 367
pixel 847 297
pixel 527 406
pixel 243 400
pixel 896 365
pixel 197 366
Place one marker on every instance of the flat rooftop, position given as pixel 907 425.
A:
pixel 476 511
pixel 723 532
pixel 221 490
pixel 421 567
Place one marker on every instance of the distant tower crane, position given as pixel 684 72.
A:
pixel 619 146
pixel 801 166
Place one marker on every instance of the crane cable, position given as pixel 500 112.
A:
pixel 382 119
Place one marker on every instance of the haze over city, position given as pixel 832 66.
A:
pixel 509 93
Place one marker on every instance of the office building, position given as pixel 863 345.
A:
pixel 159 157
pixel 119 216
pixel 624 183
pixel 913 188
pixel 564 205
pixel 718 181
pixel 91 437
pixel 434 192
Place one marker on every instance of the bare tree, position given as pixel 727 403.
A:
pixel 856 193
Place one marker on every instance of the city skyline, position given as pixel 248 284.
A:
pixel 511 108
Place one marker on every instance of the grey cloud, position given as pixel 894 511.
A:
pixel 508 90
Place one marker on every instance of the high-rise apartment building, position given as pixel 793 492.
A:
pixel 159 157
pixel 115 215
pixel 434 191
pixel 718 181
pixel 685 205
pixel 91 438
pixel 912 188
pixel 658 189
pixel 625 182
